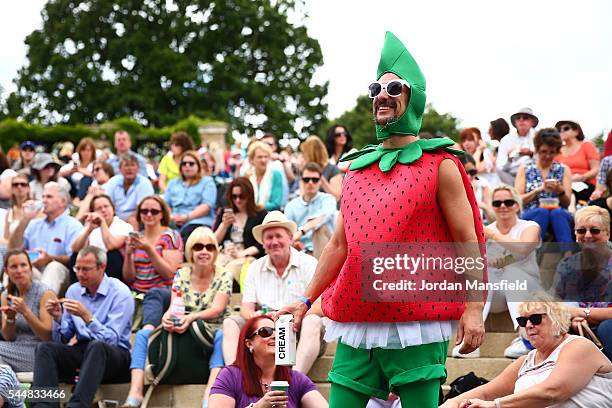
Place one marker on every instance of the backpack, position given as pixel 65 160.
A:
pixel 174 358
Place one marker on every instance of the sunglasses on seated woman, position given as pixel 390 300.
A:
pixel 200 246
pixel 263 332
pixel 507 203
pixel 593 231
pixel 535 319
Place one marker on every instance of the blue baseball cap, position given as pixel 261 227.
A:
pixel 28 144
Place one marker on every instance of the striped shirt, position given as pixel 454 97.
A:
pixel 146 275
pixel 263 286
pixel 8 385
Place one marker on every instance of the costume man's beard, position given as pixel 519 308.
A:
pixel 387 121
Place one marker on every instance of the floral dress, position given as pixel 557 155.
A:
pixel 198 301
pixel 533 180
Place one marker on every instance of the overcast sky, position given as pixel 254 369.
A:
pixel 482 59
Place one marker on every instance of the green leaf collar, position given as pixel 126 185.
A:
pixel 388 157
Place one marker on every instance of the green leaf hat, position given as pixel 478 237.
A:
pixel 396 59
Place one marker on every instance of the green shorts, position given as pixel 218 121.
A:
pixel 377 371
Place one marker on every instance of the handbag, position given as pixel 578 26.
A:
pixel 464 384
pixel 585 331
pixel 174 358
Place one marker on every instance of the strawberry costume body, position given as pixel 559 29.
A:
pixel 399 205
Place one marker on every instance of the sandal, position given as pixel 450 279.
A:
pixel 131 402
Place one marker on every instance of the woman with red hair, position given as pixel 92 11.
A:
pixel 246 383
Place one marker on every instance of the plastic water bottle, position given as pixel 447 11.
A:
pixel 177 308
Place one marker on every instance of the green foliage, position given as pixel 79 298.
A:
pixel 360 123
pixel 598 140
pixel 14 131
pixel 240 61
pixel 440 124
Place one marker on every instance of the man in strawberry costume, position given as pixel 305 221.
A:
pixel 404 190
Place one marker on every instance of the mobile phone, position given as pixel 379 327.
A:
pixel 228 210
pixel 135 234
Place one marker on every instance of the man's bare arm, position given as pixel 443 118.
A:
pixel 455 205
pixel 330 262
pixel 329 266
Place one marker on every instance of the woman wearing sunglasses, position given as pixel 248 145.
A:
pixel 563 370
pixel 546 179
pixel 585 277
pixel 234 226
pixel 192 196
pixel 246 383
pixel 314 150
pixel 20 193
pixel 511 245
pixel 581 156
pixel 152 257
pixel 206 290
pixel 339 143
pixel 170 165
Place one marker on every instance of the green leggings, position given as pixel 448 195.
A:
pixel 422 394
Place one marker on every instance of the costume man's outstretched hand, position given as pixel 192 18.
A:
pixel 297 309
pixel 471 328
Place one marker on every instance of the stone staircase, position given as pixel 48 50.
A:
pixel 499 334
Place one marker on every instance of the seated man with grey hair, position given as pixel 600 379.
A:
pixel 49 239
pixel 128 188
pixel 98 311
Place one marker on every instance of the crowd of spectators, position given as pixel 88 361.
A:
pixel 115 243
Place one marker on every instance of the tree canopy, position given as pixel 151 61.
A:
pixel 159 61
pixel 360 123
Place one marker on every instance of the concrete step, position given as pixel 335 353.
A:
pixel 493 345
pixel 487 367
pixel 499 323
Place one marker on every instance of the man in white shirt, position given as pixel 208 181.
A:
pixel 274 280
pixel 516 148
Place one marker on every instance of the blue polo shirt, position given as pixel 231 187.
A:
pixel 142 163
pixel 300 212
pixel 111 307
pixel 55 237
pixel 184 198
pixel 126 202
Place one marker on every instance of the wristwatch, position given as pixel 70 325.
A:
pixel 587 312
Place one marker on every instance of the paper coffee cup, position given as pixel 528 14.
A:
pixel 279 386
pixel 286 341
